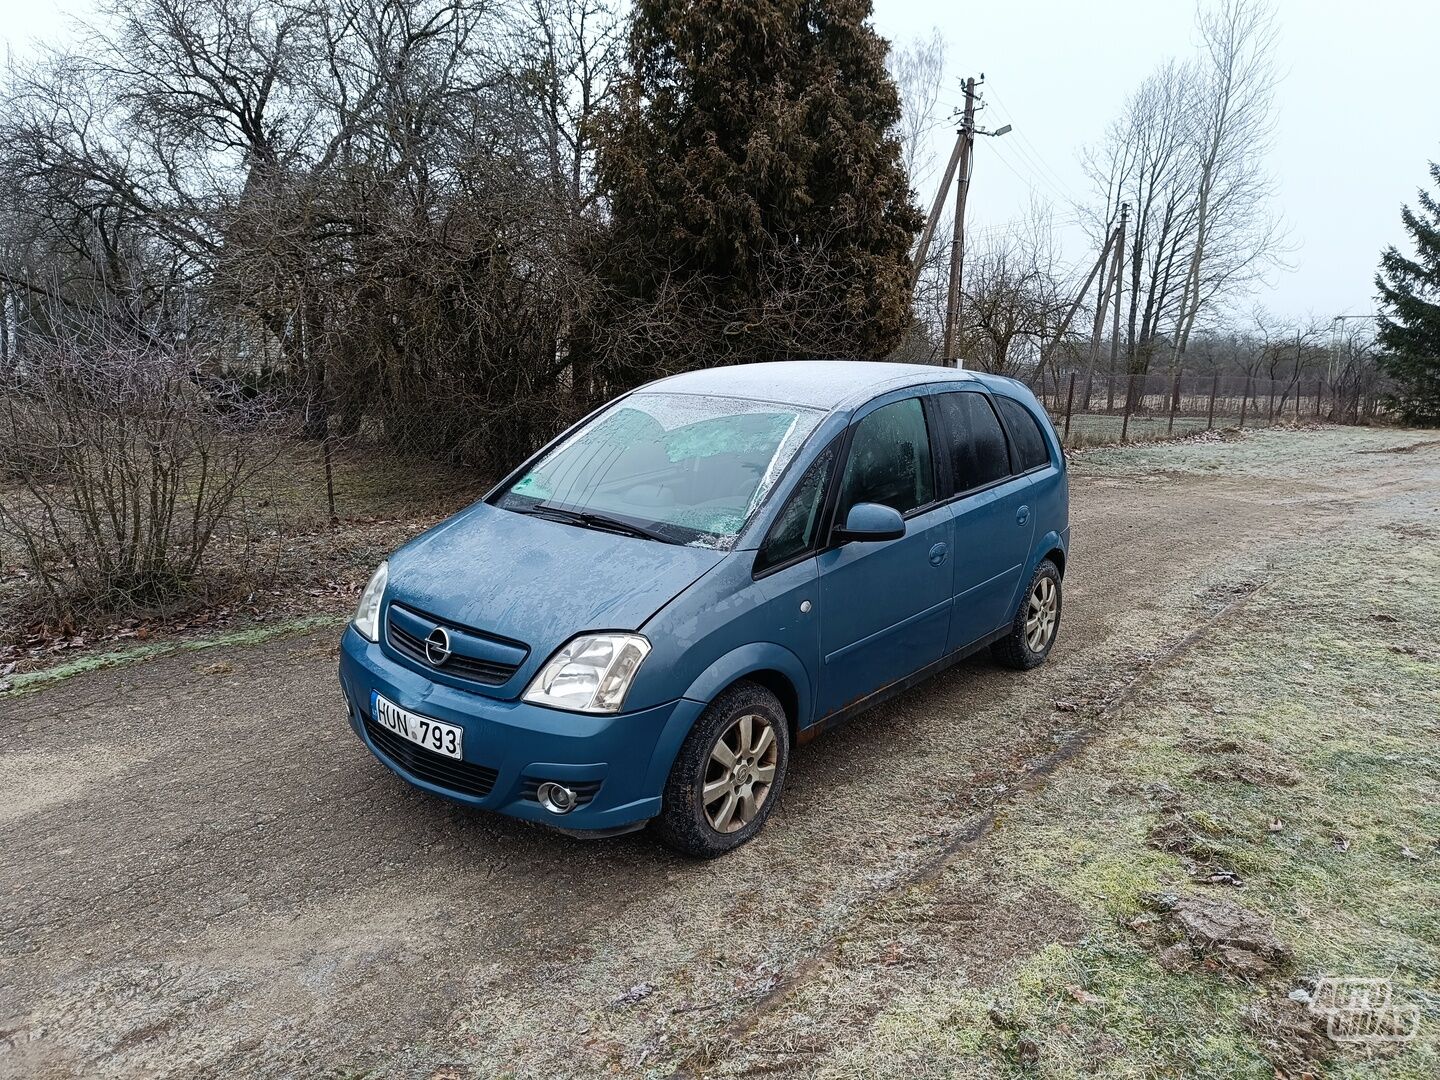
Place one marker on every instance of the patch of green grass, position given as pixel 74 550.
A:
pixel 30 682
pixel 1304 454
pixel 1342 858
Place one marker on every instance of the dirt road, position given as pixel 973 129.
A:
pixel 205 874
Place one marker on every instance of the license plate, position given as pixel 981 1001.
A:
pixel 433 735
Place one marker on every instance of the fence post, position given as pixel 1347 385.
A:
pixel 1214 389
pixel 1244 401
pixel 1069 404
pixel 329 476
pixel 1129 397
pixel 1174 402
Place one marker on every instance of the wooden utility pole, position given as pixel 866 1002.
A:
pixel 1119 284
pixel 934 218
pixel 1102 305
pixel 1079 297
pixel 950 349
pixel 1070 401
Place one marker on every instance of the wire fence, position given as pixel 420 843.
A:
pixel 1106 409
pixel 129 481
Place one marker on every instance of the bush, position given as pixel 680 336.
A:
pixel 119 471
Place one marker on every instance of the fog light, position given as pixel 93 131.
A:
pixel 557 798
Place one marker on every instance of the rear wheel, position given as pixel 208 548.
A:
pixel 1037 622
pixel 728 775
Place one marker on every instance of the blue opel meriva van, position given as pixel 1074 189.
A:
pixel 640 622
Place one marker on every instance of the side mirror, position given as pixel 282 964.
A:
pixel 870 523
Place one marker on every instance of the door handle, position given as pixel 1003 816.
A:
pixel 1022 515
pixel 937 554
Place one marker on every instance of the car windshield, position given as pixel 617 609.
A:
pixel 686 468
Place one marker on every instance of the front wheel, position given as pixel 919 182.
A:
pixel 728 775
pixel 1032 634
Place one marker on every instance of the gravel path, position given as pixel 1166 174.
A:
pixel 205 874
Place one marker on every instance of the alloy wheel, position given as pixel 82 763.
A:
pixel 1042 614
pixel 740 773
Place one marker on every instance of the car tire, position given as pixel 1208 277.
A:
pixel 1027 644
pixel 726 755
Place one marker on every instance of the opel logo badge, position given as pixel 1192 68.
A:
pixel 437 646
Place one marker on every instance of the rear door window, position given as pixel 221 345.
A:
pixel 1031 452
pixel 978 453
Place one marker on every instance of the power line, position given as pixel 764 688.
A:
pixel 1029 163
pixel 1025 139
pixel 1009 224
pixel 1028 182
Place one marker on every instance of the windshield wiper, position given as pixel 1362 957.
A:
pixel 590 520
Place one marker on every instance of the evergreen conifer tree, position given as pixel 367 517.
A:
pixel 758 207
pixel 1409 332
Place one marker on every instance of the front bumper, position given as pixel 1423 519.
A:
pixel 628 755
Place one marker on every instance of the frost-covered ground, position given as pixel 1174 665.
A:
pixel 1281 764
pixel 206 875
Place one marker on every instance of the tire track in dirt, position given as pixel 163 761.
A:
pixel 254 878
pixel 1029 780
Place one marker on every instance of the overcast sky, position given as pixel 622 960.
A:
pixel 1357 104
pixel 1357 116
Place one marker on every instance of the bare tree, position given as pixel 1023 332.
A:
pixel 1142 160
pixel 1234 125
pixel 1287 350
pixel 1354 378
pixel 385 197
pixel 1187 154
pixel 1015 296
pixel 918 68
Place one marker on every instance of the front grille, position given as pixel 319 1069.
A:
pixel 463 667
pixel 585 790
pixel 434 768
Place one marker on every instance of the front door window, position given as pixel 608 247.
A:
pixel 885 610
pixel 889 460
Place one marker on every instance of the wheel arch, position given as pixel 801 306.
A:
pixel 772 666
pixel 1051 546
pixel 779 684
pixel 1057 556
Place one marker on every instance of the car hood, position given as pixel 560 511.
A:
pixel 537 581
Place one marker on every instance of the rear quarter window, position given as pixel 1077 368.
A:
pixel 1031 450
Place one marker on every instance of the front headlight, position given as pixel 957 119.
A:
pixel 367 613
pixel 591 673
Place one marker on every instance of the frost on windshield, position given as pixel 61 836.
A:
pixel 530 484
pixel 757 434
pixel 697 467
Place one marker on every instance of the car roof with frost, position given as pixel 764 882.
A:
pixel 818 384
